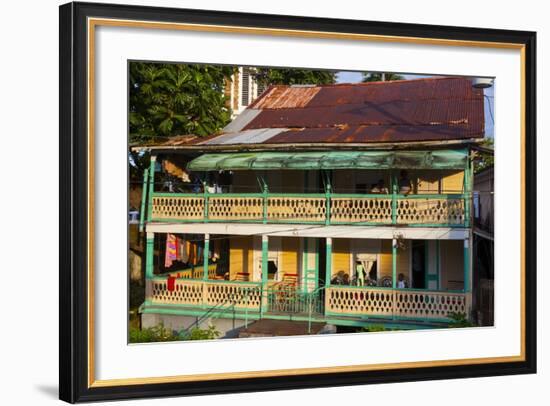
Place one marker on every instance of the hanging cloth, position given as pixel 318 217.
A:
pixel 184 254
pixel 170 255
pixel 171 283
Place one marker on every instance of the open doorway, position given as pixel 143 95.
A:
pixel 418 264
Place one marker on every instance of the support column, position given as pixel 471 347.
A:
pixel 205 257
pixel 328 191
pixel 265 254
pixel 142 216
pixel 151 187
pixel 328 262
pixel 438 263
pixel 393 199
pixel 205 193
pixel 149 265
pixel 466 265
pixel 394 263
pixel 467 192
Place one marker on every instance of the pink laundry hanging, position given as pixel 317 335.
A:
pixel 171 250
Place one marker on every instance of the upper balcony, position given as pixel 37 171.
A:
pixel 447 210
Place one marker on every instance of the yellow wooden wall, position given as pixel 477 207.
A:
pixel 435 182
pixel 452 182
pixel 290 255
pixel 240 256
pixel 385 265
pixel 403 260
pixel 452 264
pixel 340 255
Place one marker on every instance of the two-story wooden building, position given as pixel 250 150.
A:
pixel 345 204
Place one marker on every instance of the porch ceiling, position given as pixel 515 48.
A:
pixel 314 231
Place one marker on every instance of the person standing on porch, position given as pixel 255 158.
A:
pixel 360 273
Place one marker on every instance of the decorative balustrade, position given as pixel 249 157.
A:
pixel 429 304
pixel 359 301
pixel 170 206
pixel 433 210
pixel 430 210
pixel 235 208
pixel 403 303
pixel 302 209
pixel 361 210
pixel 205 293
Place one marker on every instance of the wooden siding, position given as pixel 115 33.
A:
pixel 290 255
pixel 385 265
pixel 340 255
pixel 452 182
pixel 452 264
pixel 241 256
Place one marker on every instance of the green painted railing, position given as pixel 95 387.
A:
pixel 435 210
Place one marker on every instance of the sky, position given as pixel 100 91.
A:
pixel 355 77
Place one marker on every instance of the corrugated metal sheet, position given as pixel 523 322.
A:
pixel 245 117
pixel 431 109
pixel 286 97
pixel 370 134
pixel 245 137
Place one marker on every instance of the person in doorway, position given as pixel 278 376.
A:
pixel 401 282
pixel 380 187
pixel 405 185
pixel 360 272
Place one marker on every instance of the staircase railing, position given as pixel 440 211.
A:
pixel 232 298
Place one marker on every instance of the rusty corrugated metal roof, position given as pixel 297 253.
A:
pixel 430 109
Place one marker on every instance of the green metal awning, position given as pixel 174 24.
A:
pixel 442 159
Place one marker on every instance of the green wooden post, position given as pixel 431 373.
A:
pixel 149 255
pixel 467 193
pixel 205 257
pixel 265 254
pixel 265 192
pixel 316 263
pixel 143 200
pixel 151 187
pixel 394 263
pixel 328 262
pixel 149 266
pixel 466 265
pixel 438 263
pixel 393 199
pixel 328 187
pixel 205 192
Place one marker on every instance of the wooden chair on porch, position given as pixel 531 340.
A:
pixel 242 277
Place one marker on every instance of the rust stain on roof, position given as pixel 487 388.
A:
pixel 286 97
pixel 430 109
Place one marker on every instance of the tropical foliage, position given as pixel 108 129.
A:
pixel 486 159
pixel 177 99
pixel 152 334
pixel 379 77
pixel 288 76
pixel 159 333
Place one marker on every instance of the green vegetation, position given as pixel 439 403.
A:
pixel 380 77
pixel 485 160
pixel 209 333
pixel 374 328
pixel 289 76
pixel 161 334
pixel 177 99
pixel 152 334
pixel 459 320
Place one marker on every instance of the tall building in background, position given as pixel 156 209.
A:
pixel 242 90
